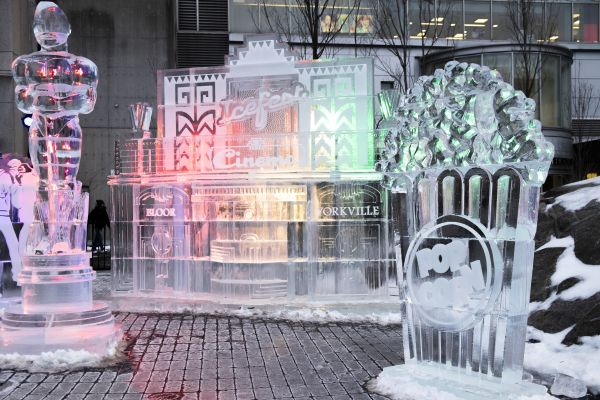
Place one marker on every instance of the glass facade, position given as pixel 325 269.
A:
pixel 576 21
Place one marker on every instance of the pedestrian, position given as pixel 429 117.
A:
pixel 99 220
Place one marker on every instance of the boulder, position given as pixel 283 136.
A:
pixel 569 211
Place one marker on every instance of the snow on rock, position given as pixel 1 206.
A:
pixel 585 192
pixel 569 266
pixel 554 243
pixel 58 361
pixel 548 356
pixel 565 290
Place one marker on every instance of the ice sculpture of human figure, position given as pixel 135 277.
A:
pixel 6 223
pixel 55 86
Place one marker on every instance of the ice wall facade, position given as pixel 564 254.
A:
pixel 259 187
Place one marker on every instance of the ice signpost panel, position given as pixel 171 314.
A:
pixel 465 162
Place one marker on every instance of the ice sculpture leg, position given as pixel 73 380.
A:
pixel 8 231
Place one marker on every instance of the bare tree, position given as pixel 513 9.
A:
pixel 397 34
pixel 586 105
pixel 530 29
pixel 310 26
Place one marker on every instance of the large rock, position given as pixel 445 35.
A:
pixel 569 211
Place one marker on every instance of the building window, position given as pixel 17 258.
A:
pixel 477 20
pixel 502 26
pixel 387 85
pixel 585 23
pixel 244 15
pixel 423 23
pixel 550 96
pixel 274 15
pixel 450 15
pixel 558 17
pixel 502 62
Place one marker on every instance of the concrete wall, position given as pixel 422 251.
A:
pixel 15 39
pixel 129 41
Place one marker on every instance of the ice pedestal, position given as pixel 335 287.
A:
pixel 57 310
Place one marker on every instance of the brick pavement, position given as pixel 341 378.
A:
pixel 172 357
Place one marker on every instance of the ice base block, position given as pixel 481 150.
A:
pixel 452 382
pixel 57 311
pixel 92 330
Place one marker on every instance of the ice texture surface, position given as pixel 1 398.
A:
pixel 565 385
pixel 463 115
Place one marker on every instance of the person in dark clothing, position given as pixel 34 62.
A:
pixel 99 220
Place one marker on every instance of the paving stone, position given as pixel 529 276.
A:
pixel 206 357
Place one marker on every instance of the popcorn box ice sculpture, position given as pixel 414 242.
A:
pixel 57 311
pixel 259 188
pixel 465 163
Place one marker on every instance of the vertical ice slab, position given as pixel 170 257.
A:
pixel 464 164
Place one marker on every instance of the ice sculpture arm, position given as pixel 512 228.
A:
pixel 23 97
pixel 85 82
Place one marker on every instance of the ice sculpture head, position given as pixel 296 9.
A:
pixel 465 115
pixel 51 26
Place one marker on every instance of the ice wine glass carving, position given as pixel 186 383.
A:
pixel 57 310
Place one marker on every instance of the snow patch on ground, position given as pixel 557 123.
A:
pixel 381 314
pixel 579 198
pixel 321 315
pixel 396 384
pixel 399 386
pixel 550 356
pixel 57 361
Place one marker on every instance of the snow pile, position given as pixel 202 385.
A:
pixel 393 383
pixel 579 198
pixel 381 314
pixel 550 357
pixel 320 315
pixel 58 361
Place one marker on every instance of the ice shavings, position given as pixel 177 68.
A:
pixel 398 383
pixel 464 115
pixel 321 315
pixel 386 314
pixel 393 383
pixel 549 357
pixel 57 361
